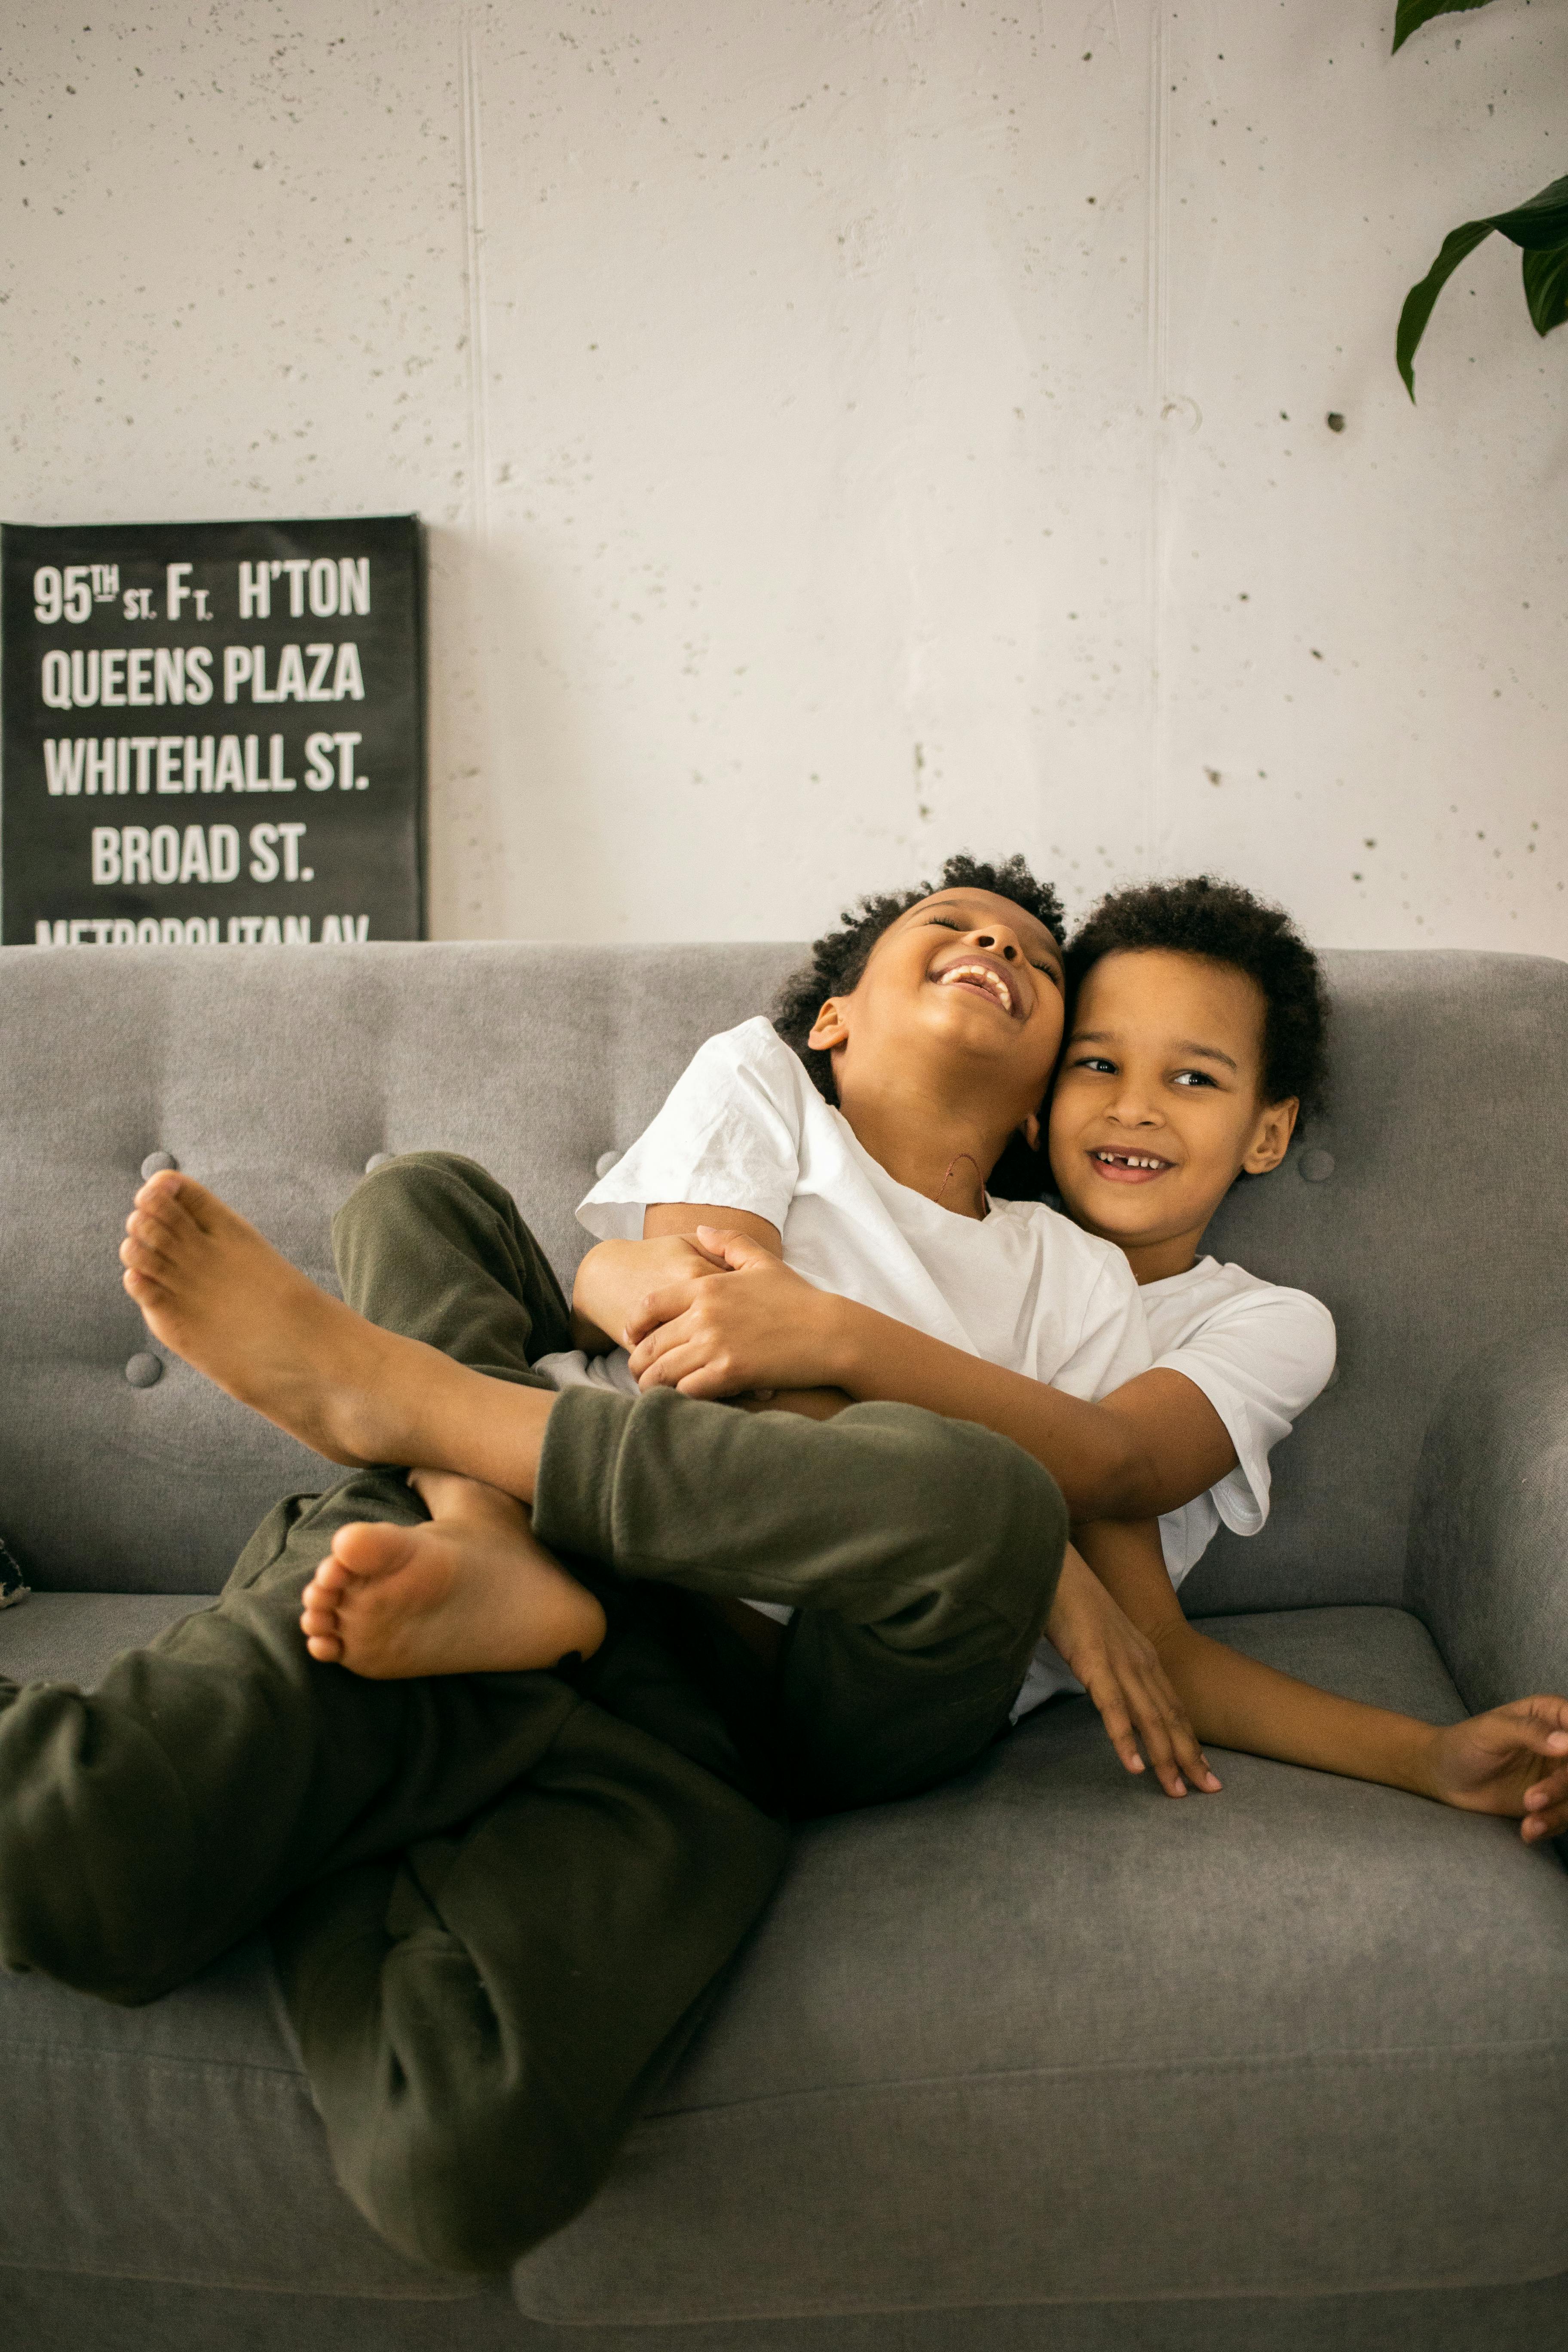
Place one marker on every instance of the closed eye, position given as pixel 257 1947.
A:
pixel 947 924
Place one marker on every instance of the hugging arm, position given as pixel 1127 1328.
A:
pixel 1148 1448
pixel 619 1284
pixel 1512 1761
pixel 618 1278
pixel 659 1285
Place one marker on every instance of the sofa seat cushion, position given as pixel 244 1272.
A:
pixel 1046 2035
pixel 974 2041
pixel 71 1637
pixel 179 2141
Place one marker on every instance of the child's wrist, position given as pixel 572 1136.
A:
pixel 1424 1777
pixel 842 1327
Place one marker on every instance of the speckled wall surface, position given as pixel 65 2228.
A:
pixel 851 428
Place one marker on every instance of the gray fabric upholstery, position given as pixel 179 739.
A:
pixel 1427 1241
pixel 71 1637
pixel 534 1060
pixel 1488 1543
pixel 59 2313
pixel 66 2312
pixel 1273 2066
pixel 1001 2022
pixel 177 2142
pixel 988 2025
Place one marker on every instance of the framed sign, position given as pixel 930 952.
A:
pixel 212 732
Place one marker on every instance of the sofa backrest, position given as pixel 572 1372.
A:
pixel 275 1075
pixel 1427 1210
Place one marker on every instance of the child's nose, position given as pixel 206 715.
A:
pixel 1006 949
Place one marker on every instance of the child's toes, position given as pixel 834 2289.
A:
pixel 326 1649
pixel 140 1256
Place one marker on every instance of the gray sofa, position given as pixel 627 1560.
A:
pixel 1039 2061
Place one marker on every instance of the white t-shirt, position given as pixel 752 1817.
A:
pixel 744 1127
pixel 1260 1354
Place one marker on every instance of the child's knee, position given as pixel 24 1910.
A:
pixel 992 1517
pixel 412 1178
pixel 75 1902
pixel 977 1491
pixel 480 2212
pixel 469 2183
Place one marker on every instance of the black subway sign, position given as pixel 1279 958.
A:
pixel 156 678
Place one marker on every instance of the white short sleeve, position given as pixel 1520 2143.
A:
pixel 729 1133
pixel 1260 1357
pixel 1113 1339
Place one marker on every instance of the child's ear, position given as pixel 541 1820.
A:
pixel 1029 1128
pixel 1271 1137
pixel 829 1029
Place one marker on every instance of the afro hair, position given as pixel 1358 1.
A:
pixel 1226 924
pixel 839 957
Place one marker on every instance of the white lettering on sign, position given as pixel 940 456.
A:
pixel 247 666
pixel 322 777
pixel 72 597
pixel 117 675
pixel 132 853
pixel 93 765
pixel 264 861
pixel 340 584
pixel 176 932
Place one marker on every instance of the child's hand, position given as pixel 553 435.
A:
pixel 1513 1760
pixel 765 1328
pixel 612 1280
pixel 1121 1670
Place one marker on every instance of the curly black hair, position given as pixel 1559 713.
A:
pixel 1226 924
pixel 838 958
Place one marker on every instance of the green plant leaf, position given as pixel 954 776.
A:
pixel 1546 287
pixel 1411 14
pixel 1421 299
pixel 1540 226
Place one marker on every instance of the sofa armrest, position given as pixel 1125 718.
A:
pixel 1486 1568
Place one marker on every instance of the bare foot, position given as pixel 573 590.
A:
pixel 470 1592
pixel 216 1293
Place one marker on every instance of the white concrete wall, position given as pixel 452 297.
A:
pixel 850 429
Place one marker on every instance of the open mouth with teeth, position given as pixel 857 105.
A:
pixel 983 979
pixel 1127 1167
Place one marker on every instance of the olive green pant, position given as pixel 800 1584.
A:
pixel 500 1903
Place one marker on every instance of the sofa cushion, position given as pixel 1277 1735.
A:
pixel 1401 1210
pixel 149 2142
pixel 71 1637
pixel 994 2025
pixel 276 1074
pixel 1047 2035
pixel 179 2142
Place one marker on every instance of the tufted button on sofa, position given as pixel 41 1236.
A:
pixel 1039 2059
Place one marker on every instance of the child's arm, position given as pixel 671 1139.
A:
pixel 1150 1447
pixel 1512 1761
pixel 617 1277
pixel 1114 1661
